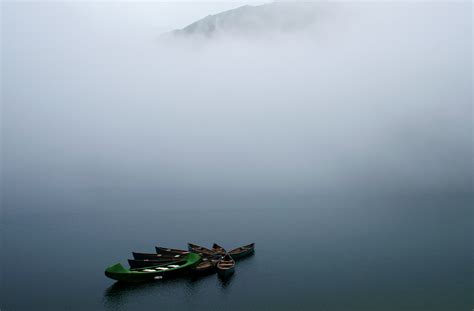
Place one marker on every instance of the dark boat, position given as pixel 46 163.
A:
pixel 143 256
pixel 218 249
pixel 169 251
pixel 119 273
pixel 226 266
pixel 206 266
pixel 137 263
pixel 242 251
pixel 201 250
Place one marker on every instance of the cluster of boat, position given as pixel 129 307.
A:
pixel 169 262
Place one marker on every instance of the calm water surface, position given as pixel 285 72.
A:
pixel 345 255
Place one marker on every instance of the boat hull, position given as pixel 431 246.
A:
pixel 203 269
pixel 225 273
pixel 170 251
pixel 149 256
pixel 134 263
pixel 218 249
pixel 119 273
pixel 226 266
pixel 203 251
pixel 243 254
pixel 242 251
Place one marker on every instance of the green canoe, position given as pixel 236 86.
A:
pixel 119 273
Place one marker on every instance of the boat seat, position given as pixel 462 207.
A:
pixel 177 256
pixel 162 268
pixel 173 266
pixel 148 270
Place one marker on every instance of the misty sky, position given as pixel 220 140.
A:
pixel 372 98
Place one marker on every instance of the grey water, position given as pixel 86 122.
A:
pixel 390 254
pixel 344 151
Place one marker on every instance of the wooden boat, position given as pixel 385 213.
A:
pixel 143 256
pixel 218 249
pixel 119 273
pixel 143 263
pixel 169 251
pixel 242 251
pixel 226 266
pixel 200 250
pixel 206 266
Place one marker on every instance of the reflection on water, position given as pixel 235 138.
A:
pixel 225 282
pixel 382 255
pixel 120 293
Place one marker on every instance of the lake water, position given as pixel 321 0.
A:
pixel 411 254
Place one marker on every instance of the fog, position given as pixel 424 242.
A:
pixel 371 99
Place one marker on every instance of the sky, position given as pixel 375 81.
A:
pixel 160 15
pixel 373 99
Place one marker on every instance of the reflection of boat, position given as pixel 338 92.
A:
pixel 200 250
pixel 119 273
pixel 218 249
pixel 119 295
pixel 226 266
pixel 169 251
pixel 242 251
pixel 143 256
pixel 143 263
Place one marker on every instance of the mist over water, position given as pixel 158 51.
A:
pixel 347 139
pixel 372 97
